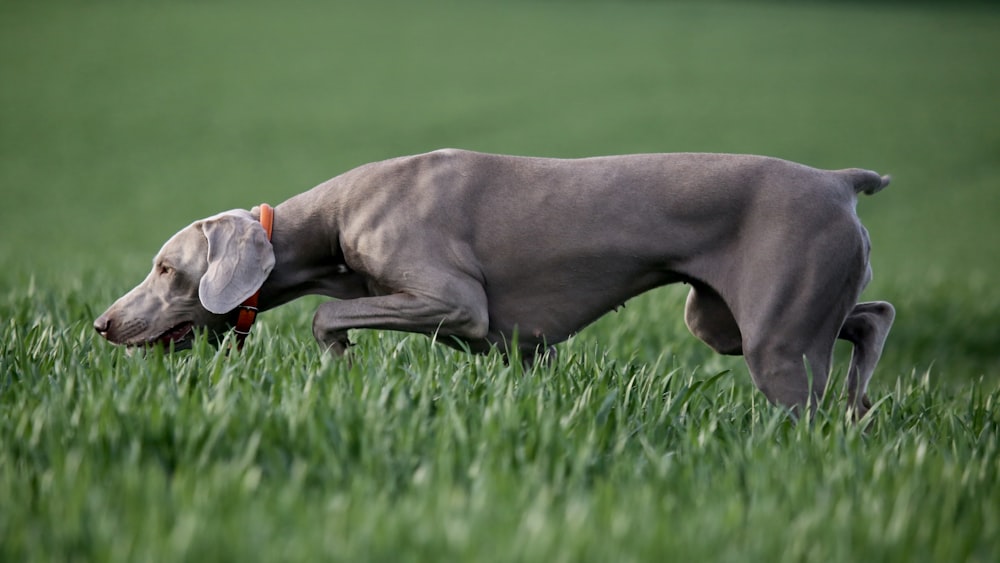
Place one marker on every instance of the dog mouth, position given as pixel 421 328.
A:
pixel 178 336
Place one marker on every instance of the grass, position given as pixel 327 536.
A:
pixel 416 452
pixel 121 122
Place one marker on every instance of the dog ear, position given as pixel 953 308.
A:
pixel 239 260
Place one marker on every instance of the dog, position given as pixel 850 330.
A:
pixel 473 248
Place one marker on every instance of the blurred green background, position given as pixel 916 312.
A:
pixel 121 122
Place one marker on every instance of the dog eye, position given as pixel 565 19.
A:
pixel 165 270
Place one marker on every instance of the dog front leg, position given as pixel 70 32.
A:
pixel 333 342
pixel 467 319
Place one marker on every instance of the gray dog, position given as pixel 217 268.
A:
pixel 475 247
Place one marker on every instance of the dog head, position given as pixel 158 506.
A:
pixel 199 277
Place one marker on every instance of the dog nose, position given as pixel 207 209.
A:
pixel 102 325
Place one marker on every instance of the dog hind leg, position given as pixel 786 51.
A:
pixel 708 317
pixel 866 327
pixel 789 332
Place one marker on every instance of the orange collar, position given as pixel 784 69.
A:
pixel 248 310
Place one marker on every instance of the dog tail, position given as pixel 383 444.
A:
pixel 865 181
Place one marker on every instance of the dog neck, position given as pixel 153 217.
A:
pixel 307 258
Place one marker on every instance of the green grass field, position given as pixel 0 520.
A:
pixel 121 122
